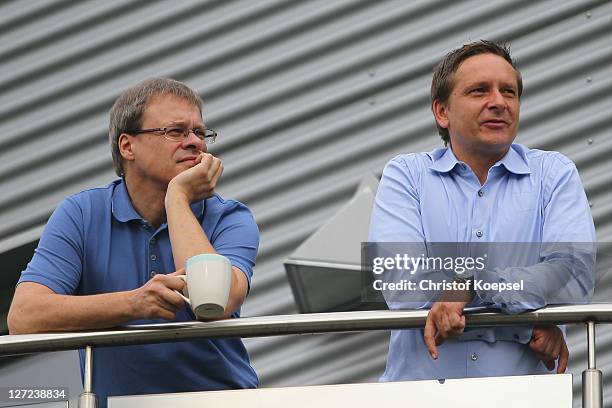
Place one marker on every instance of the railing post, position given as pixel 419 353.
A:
pixel 88 399
pixel 592 388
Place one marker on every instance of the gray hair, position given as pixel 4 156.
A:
pixel 127 111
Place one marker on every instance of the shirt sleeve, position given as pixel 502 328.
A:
pixel 395 215
pixel 237 238
pixel 57 261
pixel 396 228
pixel 566 272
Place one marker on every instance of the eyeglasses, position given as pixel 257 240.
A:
pixel 178 134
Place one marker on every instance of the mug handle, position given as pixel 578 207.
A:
pixel 186 299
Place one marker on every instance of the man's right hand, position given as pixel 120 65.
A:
pixel 445 320
pixel 157 299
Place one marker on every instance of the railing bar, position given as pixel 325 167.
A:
pixel 289 324
pixel 87 381
pixel 591 344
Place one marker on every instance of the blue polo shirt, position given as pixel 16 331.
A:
pixel 95 242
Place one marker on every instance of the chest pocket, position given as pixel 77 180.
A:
pixel 524 201
pixel 522 195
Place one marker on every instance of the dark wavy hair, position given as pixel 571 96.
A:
pixel 444 74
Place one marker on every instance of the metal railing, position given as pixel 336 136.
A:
pixel 592 390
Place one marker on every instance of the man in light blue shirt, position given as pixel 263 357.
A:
pixel 482 188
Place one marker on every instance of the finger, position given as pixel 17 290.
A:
pixel 439 321
pixel 563 359
pixel 443 324
pixel 429 337
pixel 221 168
pixel 556 352
pixel 550 364
pixel 440 337
pixel 218 172
pixel 215 163
pixel 170 281
pixel 547 349
pixel 206 160
pixel 551 345
pixel 559 344
pixel 213 175
pixel 166 312
pixel 536 344
pixel 459 326
pixel 536 334
pixel 457 323
pixel 180 271
pixel 171 300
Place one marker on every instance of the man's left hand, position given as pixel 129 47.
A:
pixel 548 343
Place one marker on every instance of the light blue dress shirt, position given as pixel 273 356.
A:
pixel 529 196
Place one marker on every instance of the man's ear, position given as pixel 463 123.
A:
pixel 440 111
pixel 126 146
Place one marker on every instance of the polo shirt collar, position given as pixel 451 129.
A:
pixel 121 205
pixel 124 211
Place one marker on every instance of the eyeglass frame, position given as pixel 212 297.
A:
pixel 185 133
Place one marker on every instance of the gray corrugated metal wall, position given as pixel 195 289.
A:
pixel 307 96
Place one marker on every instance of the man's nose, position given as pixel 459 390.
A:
pixel 194 142
pixel 496 100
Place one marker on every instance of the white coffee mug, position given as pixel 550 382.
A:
pixel 208 279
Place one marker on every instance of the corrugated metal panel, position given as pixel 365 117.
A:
pixel 307 96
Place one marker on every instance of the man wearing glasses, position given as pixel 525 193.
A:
pixel 109 256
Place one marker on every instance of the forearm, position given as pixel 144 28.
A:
pixel 50 312
pixel 562 280
pixel 186 234
pixel 188 239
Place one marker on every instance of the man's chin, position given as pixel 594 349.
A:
pixel 497 140
pixel 492 147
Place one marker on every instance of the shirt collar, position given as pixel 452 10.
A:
pixel 124 211
pixel 515 161
pixel 444 160
pixel 121 205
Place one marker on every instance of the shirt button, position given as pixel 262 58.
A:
pixel 153 273
pixel 153 257
pixel 479 233
pixel 153 241
pixel 474 356
pixel 480 193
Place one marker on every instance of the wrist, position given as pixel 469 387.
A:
pixel 463 290
pixel 130 300
pixel 175 194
